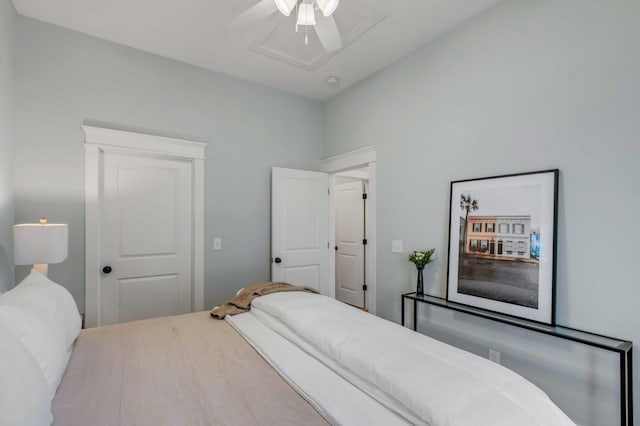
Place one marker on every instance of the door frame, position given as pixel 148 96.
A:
pixel 363 157
pixel 99 140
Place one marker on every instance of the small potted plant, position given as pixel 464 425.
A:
pixel 420 259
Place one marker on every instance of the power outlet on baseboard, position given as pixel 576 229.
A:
pixel 494 356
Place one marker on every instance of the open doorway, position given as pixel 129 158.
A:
pixel 303 224
pixel 355 166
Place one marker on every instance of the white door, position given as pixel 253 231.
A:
pixel 350 236
pixel 300 227
pixel 145 244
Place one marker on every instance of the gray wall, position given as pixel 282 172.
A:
pixel 64 78
pixel 528 85
pixel 7 24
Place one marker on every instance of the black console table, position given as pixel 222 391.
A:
pixel 622 347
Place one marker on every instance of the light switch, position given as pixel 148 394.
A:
pixel 396 246
pixel 217 243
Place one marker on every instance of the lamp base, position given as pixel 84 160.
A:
pixel 43 268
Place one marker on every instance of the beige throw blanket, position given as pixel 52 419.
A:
pixel 242 302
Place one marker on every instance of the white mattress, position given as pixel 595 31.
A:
pixel 419 378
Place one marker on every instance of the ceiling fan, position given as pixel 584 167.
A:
pixel 306 16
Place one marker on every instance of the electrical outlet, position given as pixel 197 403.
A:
pixel 396 246
pixel 217 243
pixel 494 356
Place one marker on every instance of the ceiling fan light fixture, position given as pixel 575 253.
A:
pixel 285 6
pixel 306 14
pixel 327 6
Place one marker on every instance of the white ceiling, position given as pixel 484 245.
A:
pixel 197 32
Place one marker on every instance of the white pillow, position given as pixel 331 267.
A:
pixel 40 339
pixel 25 396
pixel 43 316
pixel 53 301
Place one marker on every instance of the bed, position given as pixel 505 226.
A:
pixel 291 359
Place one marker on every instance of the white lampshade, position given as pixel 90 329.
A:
pixel 35 243
pixel 306 14
pixel 285 6
pixel 327 6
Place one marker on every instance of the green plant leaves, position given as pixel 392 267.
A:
pixel 421 258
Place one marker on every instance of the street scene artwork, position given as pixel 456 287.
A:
pixel 501 247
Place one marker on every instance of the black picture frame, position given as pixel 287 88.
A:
pixel 509 266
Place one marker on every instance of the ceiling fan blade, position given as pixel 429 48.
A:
pixel 327 32
pixel 254 14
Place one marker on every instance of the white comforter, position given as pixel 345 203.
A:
pixel 338 401
pixel 421 379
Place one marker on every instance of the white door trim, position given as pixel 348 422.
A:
pixel 355 174
pixel 364 157
pixel 99 140
pixel 349 160
pixel 142 142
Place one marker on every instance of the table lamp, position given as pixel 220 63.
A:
pixel 39 244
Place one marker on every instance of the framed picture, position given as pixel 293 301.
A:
pixel 502 244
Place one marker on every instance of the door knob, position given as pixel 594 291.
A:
pixel 107 269
pixel 277 260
